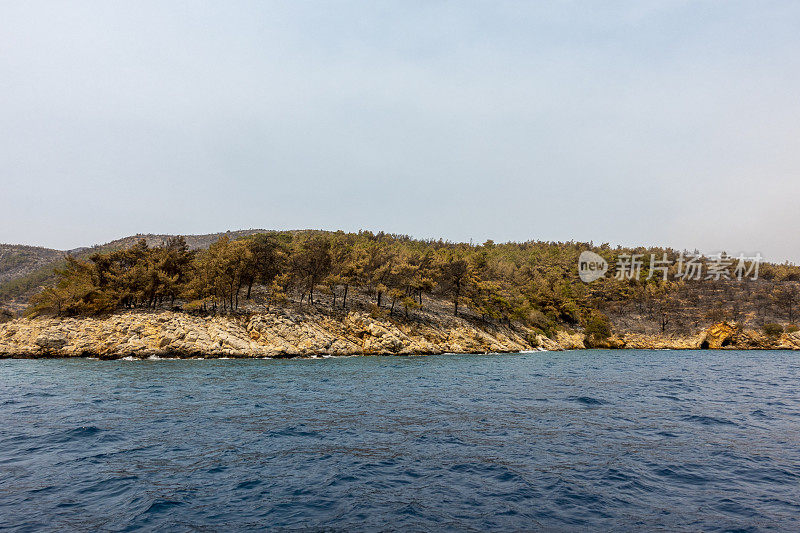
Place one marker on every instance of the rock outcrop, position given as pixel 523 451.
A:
pixel 289 333
pixel 718 336
pixel 279 334
pixel 721 336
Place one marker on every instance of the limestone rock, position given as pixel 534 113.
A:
pixel 279 333
pixel 570 341
pixel 719 336
pixel 51 341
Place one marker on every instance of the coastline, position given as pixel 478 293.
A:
pixel 287 333
pixel 281 333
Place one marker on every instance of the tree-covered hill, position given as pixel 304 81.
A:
pixel 18 260
pixel 535 283
pixel 25 269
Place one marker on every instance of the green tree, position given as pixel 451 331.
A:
pixel 311 263
pixel 597 326
pixel 453 277
pixel 269 259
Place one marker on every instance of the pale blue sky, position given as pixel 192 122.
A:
pixel 639 122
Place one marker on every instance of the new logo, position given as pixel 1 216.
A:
pixel 591 266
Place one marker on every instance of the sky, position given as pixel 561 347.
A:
pixel 635 123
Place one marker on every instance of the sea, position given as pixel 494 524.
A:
pixel 591 440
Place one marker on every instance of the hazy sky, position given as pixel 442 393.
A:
pixel 674 123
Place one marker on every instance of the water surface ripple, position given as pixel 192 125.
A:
pixel 623 440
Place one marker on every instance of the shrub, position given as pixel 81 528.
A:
pixel 772 329
pixel 378 313
pixel 537 319
pixel 598 326
pixel 533 340
pixel 716 314
pixel 792 328
pixel 194 306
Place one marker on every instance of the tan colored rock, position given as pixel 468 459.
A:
pixel 751 339
pixel 51 340
pixel 570 341
pixel 279 333
pixel 654 342
pixel 719 336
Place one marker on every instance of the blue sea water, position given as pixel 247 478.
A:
pixel 572 441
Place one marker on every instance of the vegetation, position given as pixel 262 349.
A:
pixel 598 327
pixel 493 282
pixel 531 283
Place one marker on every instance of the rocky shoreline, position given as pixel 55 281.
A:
pixel 284 333
pixel 289 333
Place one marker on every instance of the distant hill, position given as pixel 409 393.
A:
pixel 17 260
pixel 23 269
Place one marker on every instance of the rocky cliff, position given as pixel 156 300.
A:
pixel 277 334
pixel 721 336
pixel 288 333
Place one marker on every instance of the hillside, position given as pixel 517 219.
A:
pixel 24 269
pixel 531 286
pixel 17 260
